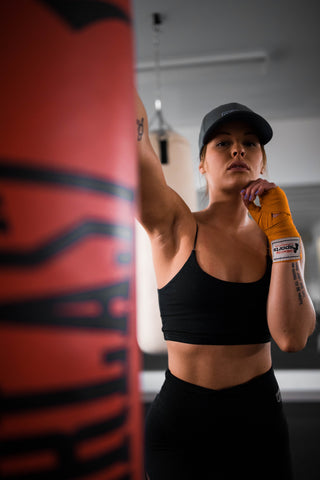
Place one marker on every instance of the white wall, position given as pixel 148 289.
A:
pixel 293 154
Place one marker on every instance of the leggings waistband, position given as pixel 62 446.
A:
pixel 262 389
pixel 253 383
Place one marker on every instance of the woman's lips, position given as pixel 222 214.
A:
pixel 237 165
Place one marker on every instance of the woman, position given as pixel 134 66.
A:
pixel 222 294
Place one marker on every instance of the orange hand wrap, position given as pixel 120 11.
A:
pixel 274 218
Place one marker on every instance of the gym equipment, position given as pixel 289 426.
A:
pixel 69 362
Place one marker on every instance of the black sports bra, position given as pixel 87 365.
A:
pixel 198 308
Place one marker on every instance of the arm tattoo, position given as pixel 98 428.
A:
pixel 298 282
pixel 140 128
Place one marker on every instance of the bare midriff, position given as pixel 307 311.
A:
pixel 218 366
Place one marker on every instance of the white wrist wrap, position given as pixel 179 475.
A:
pixel 285 249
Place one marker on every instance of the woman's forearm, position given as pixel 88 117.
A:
pixel 291 315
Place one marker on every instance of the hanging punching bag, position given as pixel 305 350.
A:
pixel 178 172
pixel 68 352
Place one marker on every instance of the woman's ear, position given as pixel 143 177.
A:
pixel 202 168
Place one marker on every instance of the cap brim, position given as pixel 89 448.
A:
pixel 258 124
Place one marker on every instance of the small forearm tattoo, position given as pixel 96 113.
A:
pixel 298 282
pixel 140 128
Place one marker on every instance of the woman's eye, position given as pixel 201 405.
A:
pixel 222 144
pixel 250 144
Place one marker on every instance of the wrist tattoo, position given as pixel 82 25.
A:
pixel 298 282
pixel 140 128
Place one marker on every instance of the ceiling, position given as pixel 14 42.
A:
pixel 283 85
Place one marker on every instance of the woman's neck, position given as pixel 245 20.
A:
pixel 227 210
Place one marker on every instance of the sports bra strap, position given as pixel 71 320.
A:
pixel 195 239
pixel 196 236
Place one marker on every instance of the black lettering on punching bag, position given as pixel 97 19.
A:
pixel 66 310
pixel 79 14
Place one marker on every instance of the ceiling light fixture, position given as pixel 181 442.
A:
pixel 258 56
pixel 163 127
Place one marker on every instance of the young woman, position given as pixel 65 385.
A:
pixel 227 282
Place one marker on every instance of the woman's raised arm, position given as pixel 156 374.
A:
pixel 159 205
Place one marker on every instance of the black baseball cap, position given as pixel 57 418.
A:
pixel 232 112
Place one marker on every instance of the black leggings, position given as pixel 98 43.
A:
pixel 198 433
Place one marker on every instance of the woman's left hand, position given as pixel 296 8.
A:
pixel 254 189
pixel 273 216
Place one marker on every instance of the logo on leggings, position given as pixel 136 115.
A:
pixel 278 396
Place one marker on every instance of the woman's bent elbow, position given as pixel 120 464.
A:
pixel 292 344
pixel 295 339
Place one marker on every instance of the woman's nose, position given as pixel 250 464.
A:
pixel 238 150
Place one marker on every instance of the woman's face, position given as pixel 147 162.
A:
pixel 233 157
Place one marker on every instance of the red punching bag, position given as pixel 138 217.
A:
pixel 68 355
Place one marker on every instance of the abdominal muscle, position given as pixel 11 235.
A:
pixel 218 366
